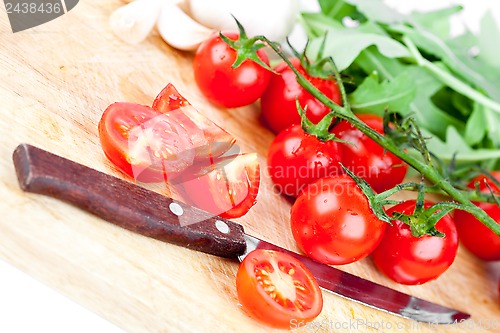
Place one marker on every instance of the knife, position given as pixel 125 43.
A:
pixel 154 215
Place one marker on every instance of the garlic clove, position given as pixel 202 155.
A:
pixel 272 18
pixel 179 30
pixel 133 22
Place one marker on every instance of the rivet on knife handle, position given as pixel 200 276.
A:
pixel 126 205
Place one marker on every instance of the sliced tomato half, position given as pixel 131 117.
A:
pixel 227 188
pixel 277 289
pixel 209 139
pixel 145 144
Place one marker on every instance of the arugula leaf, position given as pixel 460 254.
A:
pixel 425 112
pixel 461 103
pixel 489 41
pixel 357 41
pixel 371 60
pixel 453 56
pixel 317 24
pixel 421 107
pixel 338 9
pixel 492 122
pixel 437 21
pixel 373 96
pixel 475 129
pixel 483 122
pixel 455 144
pixel 378 11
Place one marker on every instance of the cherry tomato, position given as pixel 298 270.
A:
pixel 297 158
pixel 228 188
pixel 415 260
pixel 145 144
pixel 276 289
pixel 209 139
pixel 474 235
pixel 278 103
pixel 365 158
pixel 332 221
pixel 219 82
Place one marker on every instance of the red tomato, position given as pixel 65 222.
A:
pixel 278 103
pixel 209 139
pixel 365 158
pixel 296 159
pixel 410 260
pixel 332 222
pixel 143 143
pixel 228 188
pixel 219 82
pixel 474 235
pixel 277 289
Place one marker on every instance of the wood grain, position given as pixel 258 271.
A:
pixel 57 79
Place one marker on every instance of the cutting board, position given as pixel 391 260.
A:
pixel 56 80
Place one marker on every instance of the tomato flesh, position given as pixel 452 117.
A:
pixel 143 143
pixel 278 103
pixel 227 188
pixel 365 158
pixel 475 236
pixel 276 289
pixel 209 139
pixel 297 158
pixel 332 222
pixel 410 260
pixel 219 82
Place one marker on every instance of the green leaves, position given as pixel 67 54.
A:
pixel 373 96
pixel 438 21
pixel 489 41
pixel 454 144
pixel 409 64
pixel 348 44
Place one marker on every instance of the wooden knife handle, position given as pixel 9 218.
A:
pixel 125 204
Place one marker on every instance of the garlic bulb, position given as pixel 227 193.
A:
pixel 179 30
pixel 184 24
pixel 272 18
pixel 133 22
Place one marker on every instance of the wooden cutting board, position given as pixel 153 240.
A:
pixel 56 80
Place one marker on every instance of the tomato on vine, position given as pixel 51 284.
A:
pixel 297 158
pixel 368 160
pixel 332 221
pixel 278 103
pixel 474 235
pixel 222 84
pixel 412 260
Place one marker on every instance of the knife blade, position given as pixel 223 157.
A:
pixel 154 215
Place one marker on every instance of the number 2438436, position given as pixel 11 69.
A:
pixel 32 8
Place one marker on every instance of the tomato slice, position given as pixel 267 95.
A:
pixel 209 139
pixel 146 145
pixel 228 187
pixel 277 289
pixel 169 99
